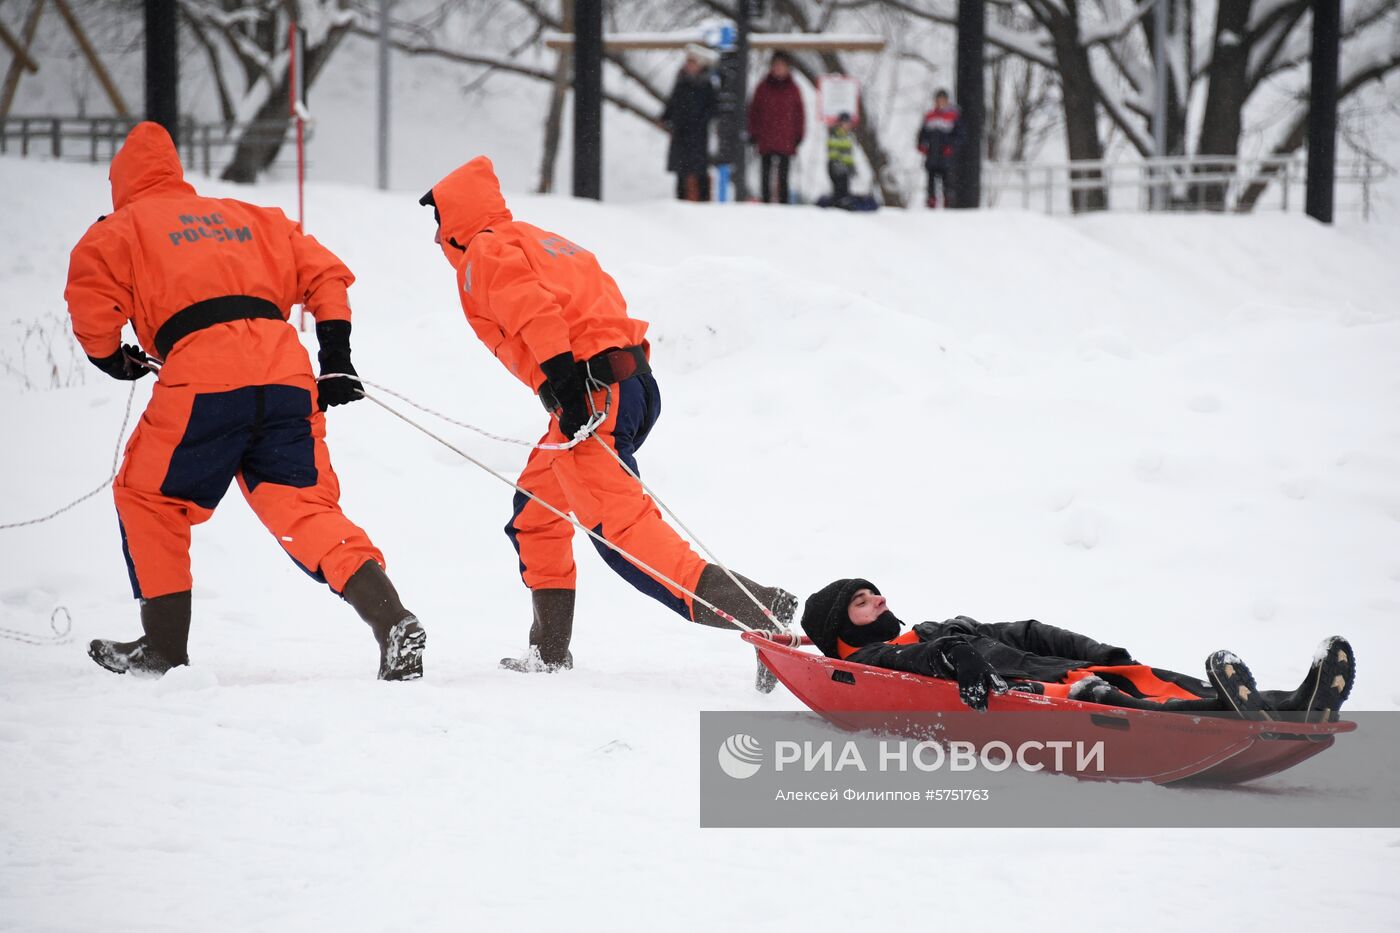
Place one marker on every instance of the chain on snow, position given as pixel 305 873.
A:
pixel 61 635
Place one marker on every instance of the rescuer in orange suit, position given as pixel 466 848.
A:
pixel 207 284
pixel 557 321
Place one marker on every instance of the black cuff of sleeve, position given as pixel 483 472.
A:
pixel 111 365
pixel 333 335
pixel 560 370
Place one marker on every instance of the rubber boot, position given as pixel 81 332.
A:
pixel 1235 685
pixel 401 639
pixel 1325 688
pixel 165 644
pixel 550 633
pixel 718 588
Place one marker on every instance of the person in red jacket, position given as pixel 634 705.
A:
pixel 207 284
pixel 546 309
pixel 940 137
pixel 849 619
pixel 776 124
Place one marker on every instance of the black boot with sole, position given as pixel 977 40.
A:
pixel 401 639
pixel 716 587
pixel 550 634
pixel 165 620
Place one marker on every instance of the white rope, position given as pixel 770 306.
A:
pixel 598 417
pixel 694 537
pixel 584 433
pixel 116 460
pixel 60 636
pixel 568 518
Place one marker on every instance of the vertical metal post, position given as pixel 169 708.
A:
pixel 382 151
pixel 1322 109
pixel 1366 188
pixel 588 99
pixel 741 118
pixel 967 173
pixel 162 65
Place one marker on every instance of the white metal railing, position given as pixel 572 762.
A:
pixel 1181 183
pixel 203 146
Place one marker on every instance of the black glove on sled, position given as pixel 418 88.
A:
pixel 977 679
pixel 334 357
pixel 125 364
pixel 562 376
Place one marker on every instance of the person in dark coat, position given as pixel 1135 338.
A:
pixel 687 116
pixel 776 124
pixel 940 137
pixel 849 619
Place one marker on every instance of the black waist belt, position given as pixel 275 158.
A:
pixel 610 367
pixel 208 313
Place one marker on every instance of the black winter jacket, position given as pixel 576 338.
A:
pixel 688 113
pixel 1028 650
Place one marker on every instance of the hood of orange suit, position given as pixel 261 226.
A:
pixel 147 165
pixel 469 201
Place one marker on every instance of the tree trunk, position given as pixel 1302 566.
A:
pixel 1226 92
pixel 261 139
pixel 554 119
pixel 1079 100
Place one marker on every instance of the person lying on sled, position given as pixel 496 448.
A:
pixel 850 620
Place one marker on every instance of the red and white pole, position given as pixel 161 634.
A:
pixel 297 111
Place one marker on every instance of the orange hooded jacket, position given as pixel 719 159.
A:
pixel 164 248
pixel 529 294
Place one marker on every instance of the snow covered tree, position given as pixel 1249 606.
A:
pixel 255 35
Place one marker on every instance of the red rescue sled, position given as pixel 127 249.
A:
pixel 1141 745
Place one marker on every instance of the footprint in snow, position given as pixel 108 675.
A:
pixel 1148 464
pixel 1205 403
pixel 1082 530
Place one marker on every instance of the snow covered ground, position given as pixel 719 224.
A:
pixel 1177 434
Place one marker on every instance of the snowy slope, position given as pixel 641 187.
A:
pixel 1178 434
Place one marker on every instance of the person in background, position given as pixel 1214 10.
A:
pixel 687 116
pixel 940 137
pixel 840 159
pixel 776 125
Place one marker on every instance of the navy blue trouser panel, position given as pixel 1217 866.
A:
pixel 261 430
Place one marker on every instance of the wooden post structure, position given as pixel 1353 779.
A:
pixel 90 53
pixel 1322 109
pixel 12 76
pixel 20 50
pixel 162 66
pixel 588 99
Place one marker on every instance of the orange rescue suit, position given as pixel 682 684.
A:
pixel 531 295
pixel 208 284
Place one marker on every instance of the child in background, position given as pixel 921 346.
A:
pixel 840 159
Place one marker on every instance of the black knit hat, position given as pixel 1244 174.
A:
pixel 825 611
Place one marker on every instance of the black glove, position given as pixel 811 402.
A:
pixel 977 679
pixel 126 364
pixel 562 376
pixel 334 357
